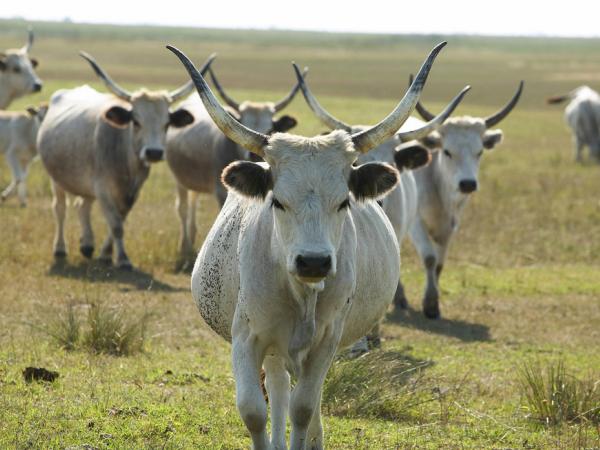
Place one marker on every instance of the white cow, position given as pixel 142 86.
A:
pixel 300 262
pixel 100 146
pixel 401 204
pixel 445 185
pixel 18 134
pixel 582 114
pixel 17 73
pixel 198 154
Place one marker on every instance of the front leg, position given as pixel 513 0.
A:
pixel 18 176
pixel 86 242
pixel 305 404
pixel 115 219
pixel 278 388
pixel 429 256
pixel 250 401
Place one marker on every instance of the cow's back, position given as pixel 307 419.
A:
pixel 66 137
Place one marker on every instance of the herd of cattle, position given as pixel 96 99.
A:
pixel 303 258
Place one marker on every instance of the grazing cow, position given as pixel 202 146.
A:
pixel 100 146
pixel 17 73
pixel 198 154
pixel 18 134
pixel 582 114
pixel 401 204
pixel 300 262
pixel 445 185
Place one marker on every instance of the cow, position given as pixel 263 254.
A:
pixel 198 154
pixel 100 146
pixel 444 186
pixel 582 114
pixel 300 262
pixel 18 134
pixel 17 73
pixel 400 205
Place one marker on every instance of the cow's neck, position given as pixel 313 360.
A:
pixel 5 95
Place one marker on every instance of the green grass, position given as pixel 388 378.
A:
pixel 521 284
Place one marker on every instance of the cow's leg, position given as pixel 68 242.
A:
pixel 115 219
pixel 86 241
pixel 304 404
pixel 106 251
pixel 181 203
pixel 17 173
pixel 278 388
pixel 59 207
pixel 315 430
pixel 578 145
pixel 249 395
pixel 400 301
pixel 428 255
pixel 191 221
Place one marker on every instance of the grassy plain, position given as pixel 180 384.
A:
pixel 522 281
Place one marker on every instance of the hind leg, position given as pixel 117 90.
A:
pixel 59 207
pixel 86 241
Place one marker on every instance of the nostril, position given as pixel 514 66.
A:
pixel 326 264
pixel 154 154
pixel 467 186
pixel 301 262
pixel 37 87
pixel 313 266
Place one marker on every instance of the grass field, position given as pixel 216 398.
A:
pixel 522 283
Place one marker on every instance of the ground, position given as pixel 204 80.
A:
pixel 521 283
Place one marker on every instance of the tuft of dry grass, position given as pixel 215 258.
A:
pixel 555 397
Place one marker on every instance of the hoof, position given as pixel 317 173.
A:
pixel 60 254
pixel 125 266
pixel 105 260
pixel 400 303
pixel 87 250
pixel 432 311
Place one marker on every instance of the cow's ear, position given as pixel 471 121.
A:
pixel 491 138
pixel 180 118
pixel 118 116
pixel 372 180
pixel 2 65
pixel 34 62
pixel 411 156
pixel 248 179
pixel 284 123
pixel 32 111
pixel 432 141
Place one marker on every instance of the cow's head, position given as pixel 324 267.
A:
pixel 259 116
pixel 310 183
pixel 17 70
pixel 460 143
pixel 146 114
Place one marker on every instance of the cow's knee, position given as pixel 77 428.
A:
pixel 429 262
pixel 301 414
pixel 253 411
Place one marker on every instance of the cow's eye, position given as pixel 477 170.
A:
pixel 447 153
pixel 16 69
pixel 345 204
pixel 276 204
pixel 136 123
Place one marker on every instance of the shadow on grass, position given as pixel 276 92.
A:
pixel 96 271
pixel 460 329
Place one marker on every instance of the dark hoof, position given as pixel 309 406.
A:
pixel 60 254
pixel 125 266
pixel 400 303
pixel 105 261
pixel 432 312
pixel 87 251
pixel 374 342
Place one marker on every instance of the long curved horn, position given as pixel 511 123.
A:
pixel 226 98
pixel 433 124
pixel 288 98
pixel 108 82
pixel 29 43
pixel 315 106
pixel 238 133
pixel 423 112
pixel 189 86
pixel 496 118
pixel 374 136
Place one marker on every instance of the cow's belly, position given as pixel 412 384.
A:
pixel 192 169
pixel 215 278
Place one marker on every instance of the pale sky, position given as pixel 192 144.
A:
pixel 503 17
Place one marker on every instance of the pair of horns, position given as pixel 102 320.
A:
pixel 336 124
pixel 174 96
pixel 256 142
pixel 490 121
pixel 281 104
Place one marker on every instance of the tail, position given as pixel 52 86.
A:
pixel 558 99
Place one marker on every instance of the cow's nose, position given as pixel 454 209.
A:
pixel 37 87
pixel 313 266
pixel 467 186
pixel 154 154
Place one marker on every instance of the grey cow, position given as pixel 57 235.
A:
pixel 100 146
pixel 198 154
pixel 17 73
pixel 582 114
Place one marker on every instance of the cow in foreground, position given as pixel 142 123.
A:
pixel 198 154
pixel 300 262
pixel 401 204
pixel 18 134
pixel 100 146
pixel 445 185
pixel 582 114
pixel 17 73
